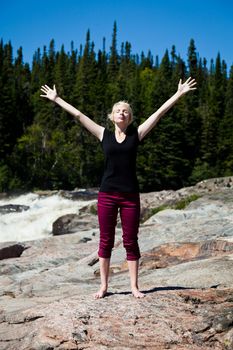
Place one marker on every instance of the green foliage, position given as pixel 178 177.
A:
pixel 182 204
pixel 93 209
pixel 43 147
pixel 4 177
pixel 8 181
pixel 152 211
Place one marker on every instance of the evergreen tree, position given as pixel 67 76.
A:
pixel 86 100
pixel 8 131
pixel 112 70
pixel 101 103
pixel 113 58
pixel 190 118
pixel 213 117
pixel 125 74
pixel 225 140
pixel 192 59
pixel 72 69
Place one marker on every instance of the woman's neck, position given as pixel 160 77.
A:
pixel 120 129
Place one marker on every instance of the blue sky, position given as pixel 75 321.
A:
pixel 147 24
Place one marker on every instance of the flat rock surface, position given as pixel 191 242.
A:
pixel 186 273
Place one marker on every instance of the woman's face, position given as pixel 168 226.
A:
pixel 121 114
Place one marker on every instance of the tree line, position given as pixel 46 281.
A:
pixel 41 147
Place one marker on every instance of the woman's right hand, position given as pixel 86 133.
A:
pixel 51 94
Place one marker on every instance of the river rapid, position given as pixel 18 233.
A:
pixel 36 222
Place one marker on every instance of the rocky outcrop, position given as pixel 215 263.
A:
pixel 80 194
pixel 72 223
pixel 8 251
pixel 13 208
pixel 162 199
pixel 186 272
pixel 76 194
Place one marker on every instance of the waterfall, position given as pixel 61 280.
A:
pixel 36 222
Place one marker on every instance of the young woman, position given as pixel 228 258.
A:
pixel 119 187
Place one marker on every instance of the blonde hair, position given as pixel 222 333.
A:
pixel 110 116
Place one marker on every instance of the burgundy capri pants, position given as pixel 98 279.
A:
pixel 128 204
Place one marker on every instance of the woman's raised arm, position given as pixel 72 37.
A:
pixel 150 122
pixel 51 94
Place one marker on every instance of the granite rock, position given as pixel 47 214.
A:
pixel 186 273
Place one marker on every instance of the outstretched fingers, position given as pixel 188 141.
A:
pixel 188 85
pixel 192 84
pixel 49 93
pixel 193 81
pixel 45 88
pixel 188 80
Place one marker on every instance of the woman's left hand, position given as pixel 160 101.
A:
pixel 187 86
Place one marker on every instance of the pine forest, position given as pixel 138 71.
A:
pixel 42 147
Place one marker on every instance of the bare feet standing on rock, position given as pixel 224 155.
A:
pixel 137 294
pixel 104 272
pixel 101 293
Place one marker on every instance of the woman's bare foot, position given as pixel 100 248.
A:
pixel 137 294
pixel 101 293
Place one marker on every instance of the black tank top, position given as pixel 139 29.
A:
pixel 120 162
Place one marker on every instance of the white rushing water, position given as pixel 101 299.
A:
pixel 37 221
